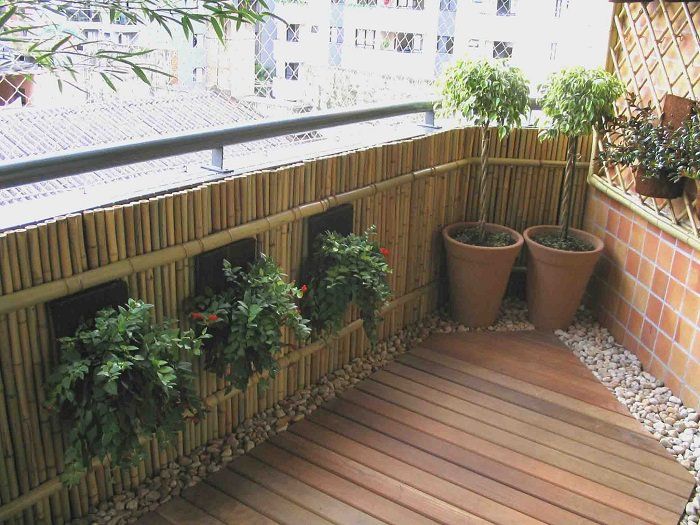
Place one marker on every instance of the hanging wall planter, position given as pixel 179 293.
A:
pixel 658 187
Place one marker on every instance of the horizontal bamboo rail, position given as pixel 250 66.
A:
pixel 53 485
pixel 76 283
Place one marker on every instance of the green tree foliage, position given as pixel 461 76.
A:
pixel 37 30
pixel 347 270
pixel 245 321
pixel 120 380
pixel 485 94
pixel 575 101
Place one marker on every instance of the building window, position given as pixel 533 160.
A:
pixel 504 8
pixel 314 29
pixel 336 35
pixel 198 74
pixel 366 2
pixel 445 44
pixel 291 70
pixel 127 38
pixel 407 4
pixel 293 31
pixel 448 5
pixel 559 7
pixel 473 42
pixel 553 48
pixel 364 38
pixel 82 15
pixel 408 43
pixel 502 49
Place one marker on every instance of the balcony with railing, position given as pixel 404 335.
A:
pixel 345 367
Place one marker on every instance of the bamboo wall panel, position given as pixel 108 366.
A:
pixel 409 189
pixel 655 49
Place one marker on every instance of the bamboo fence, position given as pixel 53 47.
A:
pixel 409 190
pixel 653 50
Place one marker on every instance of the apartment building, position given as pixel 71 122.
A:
pixel 418 38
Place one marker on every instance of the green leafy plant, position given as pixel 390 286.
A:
pixel 121 379
pixel 347 269
pixel 487 94
pixel 245 321
pixel 575 101
pixel 688 143
pixel 641 141
pixel 37 34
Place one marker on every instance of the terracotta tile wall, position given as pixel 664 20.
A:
pixel 646 291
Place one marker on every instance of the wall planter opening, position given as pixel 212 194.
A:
pixel 68 312
pixel 336 220
pixel 209 266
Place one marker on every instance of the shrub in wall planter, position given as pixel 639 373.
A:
pixel 119 380
pixel 346 270
pixel 561 259
pixel 480 256
pixel 688 143
pixel 649 148
pixel 245 321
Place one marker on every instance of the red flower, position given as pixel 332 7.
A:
pixel 304 289
pixel 213 318
pixel 384 252
pixel 197 316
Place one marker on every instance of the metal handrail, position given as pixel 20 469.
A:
pixel 82 160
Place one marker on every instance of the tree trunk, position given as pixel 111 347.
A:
pixel 568 187
pixel 483 181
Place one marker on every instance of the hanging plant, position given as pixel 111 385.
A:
pixel 121 379
pixel 652 150
pixel 347 269
pixel 245 321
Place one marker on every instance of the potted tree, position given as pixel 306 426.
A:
pixel 561 259
pixel 651 149
pixel 480 255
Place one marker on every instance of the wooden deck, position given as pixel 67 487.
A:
pixel 505 428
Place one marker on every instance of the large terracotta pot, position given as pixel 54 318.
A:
pixel 557 279
pixel 657 188
pixel 478 275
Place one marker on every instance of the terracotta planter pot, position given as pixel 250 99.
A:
pixel 657 188
pixel 675 110
pixel 692 190
pixel 557 279
pixel 478 275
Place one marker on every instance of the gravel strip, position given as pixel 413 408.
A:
pixel 653 404
pixel 647 398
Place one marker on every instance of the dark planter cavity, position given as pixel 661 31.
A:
pixel 557 279
pixel 68 312
pixel 338 220
pixel 209 265
pixel 478 275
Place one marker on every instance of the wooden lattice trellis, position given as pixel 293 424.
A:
pixel 655 49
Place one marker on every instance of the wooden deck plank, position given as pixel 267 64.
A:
pixel 659 463
pixel 401 493
pixel 262 500
pixel 338 487
pixel 417 478
pixel 587 395
pixel 534 402
pixel 483 465
pixel 182 512
pixel 518 460
pixel 542 437
pixel 447 470
pixel 301 493
pixel 509 347
pixel 557 398
pixel 478 427
pixel 223 507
